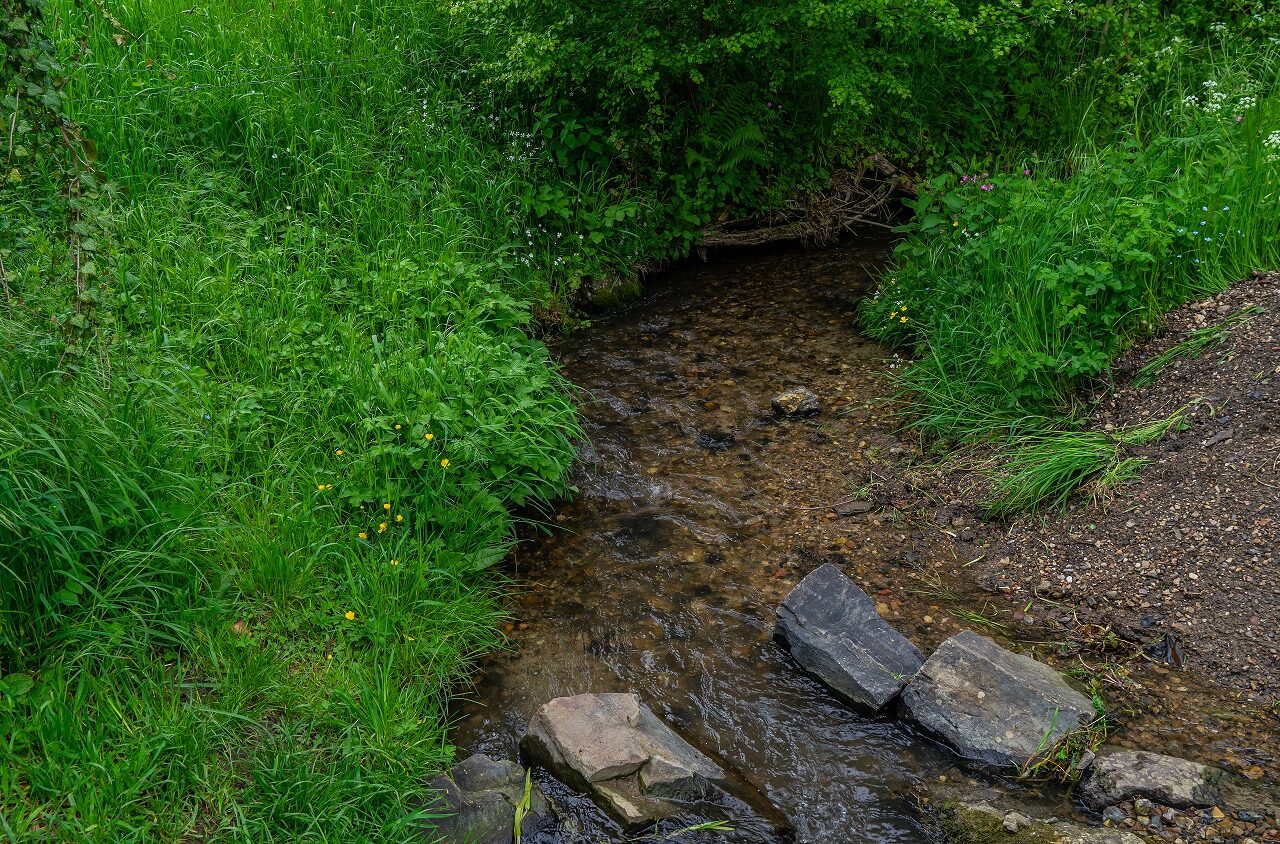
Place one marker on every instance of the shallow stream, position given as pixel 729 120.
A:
pixel 698 510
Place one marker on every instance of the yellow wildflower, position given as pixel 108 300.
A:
pixel 397 426
pixel 363 535
pixel 349 615
pixel 339 452
pixel 328 656
pixel 444 464
pixel 382 526
pixel 904 319
pixel 399 518
pixel 395 562
pixel 386 505
pixel 320 487
pixel 428 436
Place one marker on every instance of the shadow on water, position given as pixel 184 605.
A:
pixel 664 574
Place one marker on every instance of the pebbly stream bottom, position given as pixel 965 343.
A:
pixel 693 520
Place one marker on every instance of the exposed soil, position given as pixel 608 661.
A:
pixel 1185 559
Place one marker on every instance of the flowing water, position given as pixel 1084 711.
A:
pixel 698 510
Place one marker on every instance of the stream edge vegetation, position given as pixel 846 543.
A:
pixel 272 397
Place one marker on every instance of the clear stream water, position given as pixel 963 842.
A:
pixel 695 516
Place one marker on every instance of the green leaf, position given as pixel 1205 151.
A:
pixel 17 685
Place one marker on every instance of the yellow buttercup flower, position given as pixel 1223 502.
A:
pixel 428 436
pixel 363 535
pixel 339 452
pixel 444 464
pixel 399 518
pixel 320 487
pixel 395 562
pixel 397 426
pixel 382 526
pixel 386 506
pixel 349 615
pixel 904 319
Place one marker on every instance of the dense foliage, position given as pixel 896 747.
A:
pixel 268 388
pixel 1020 283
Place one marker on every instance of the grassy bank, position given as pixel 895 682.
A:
pixel 244 541
pixel 1022 278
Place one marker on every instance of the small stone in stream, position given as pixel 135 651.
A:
pixel 1143 806
pixel 612 747
pixel 796 401
pixel 993 706
pixel 479 798
pixel 1119 775
pixel 836 633
pixel 853 508
pixel 1114 814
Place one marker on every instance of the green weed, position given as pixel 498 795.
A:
pixel 1193 346
pixel 1046 467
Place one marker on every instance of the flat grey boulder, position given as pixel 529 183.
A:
pixel 832 629
pixel 993 706
pixel 613 748
pixel 1119 775
pixel 476 804
pixel 796 401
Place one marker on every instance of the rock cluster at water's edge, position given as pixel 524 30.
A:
pixel 477 802
pixel 613 748
pixel 833 631
pixel 991 705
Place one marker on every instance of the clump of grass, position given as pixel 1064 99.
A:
pixel 1059 760
pixel 1194 345
pixel 1045 468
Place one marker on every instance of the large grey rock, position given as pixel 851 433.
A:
pixel 1119 775
pixel 612 747
pixel 993 706
pixel 796 401
pixel 476 804
pixel 832 629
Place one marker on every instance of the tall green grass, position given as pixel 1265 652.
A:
pixel 244 554
pixel 1020 281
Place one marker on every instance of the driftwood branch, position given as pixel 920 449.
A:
pixel 854 198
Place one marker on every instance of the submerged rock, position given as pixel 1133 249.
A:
pixel 612 747
pixel 832 629
pixel 478 800
pixel 1119 775
pixel 796 401
pixel 993 706
pixel 981 823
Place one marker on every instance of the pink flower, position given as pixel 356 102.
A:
pixel 1026 172
pixel 987 187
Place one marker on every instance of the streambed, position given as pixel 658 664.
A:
pixel 698 510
